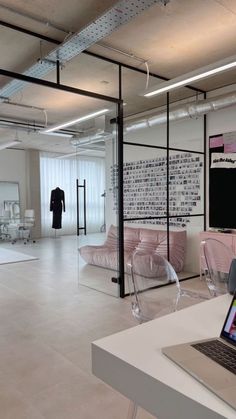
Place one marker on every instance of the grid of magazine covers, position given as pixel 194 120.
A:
pixel 145 188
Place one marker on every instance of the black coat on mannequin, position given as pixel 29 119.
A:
pixel 57 204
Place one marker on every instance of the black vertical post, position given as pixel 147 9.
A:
pixel 58 72
pixel 77 206
pixel 120 190
pixel 205 164
pixel 167 172
pixel 85 223
pixel 78 186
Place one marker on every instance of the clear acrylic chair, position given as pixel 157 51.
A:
pixel 25 228
pixel 142 278
pixel 146 271
pixel 218 257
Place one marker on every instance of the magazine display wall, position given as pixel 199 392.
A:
pixel 145 188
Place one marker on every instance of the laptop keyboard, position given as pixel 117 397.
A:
pixel 218 352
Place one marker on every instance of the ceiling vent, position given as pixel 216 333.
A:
pixel 189 110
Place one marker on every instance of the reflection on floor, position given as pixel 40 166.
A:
pixel 48 322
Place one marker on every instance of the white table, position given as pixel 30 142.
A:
pixel 132 363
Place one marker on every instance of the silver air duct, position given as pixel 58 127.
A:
pixel 90 139
pixel 193 110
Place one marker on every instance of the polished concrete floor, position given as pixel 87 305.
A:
pixel 48 321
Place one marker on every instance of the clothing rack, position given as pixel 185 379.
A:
pixel 78 186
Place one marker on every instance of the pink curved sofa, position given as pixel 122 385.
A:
pixel 144 240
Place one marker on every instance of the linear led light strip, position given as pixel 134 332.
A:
pixel 195 75
pixel 9 144
pixel 57 134
pixel 72 122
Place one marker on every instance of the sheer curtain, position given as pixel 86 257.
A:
pixel 63 173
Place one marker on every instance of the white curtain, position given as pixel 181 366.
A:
pixel 63 173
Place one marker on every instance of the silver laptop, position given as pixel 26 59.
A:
pixel 212 361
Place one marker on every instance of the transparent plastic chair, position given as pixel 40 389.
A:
pixel 218 257
pixel 144 304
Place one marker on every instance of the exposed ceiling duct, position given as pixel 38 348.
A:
pixel 118 15
pixel 101 128
pixel 90 139
pixel 190 110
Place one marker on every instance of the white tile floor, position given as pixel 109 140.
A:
pixel 48 322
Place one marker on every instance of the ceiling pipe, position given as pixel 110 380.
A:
pixel 90 139
pixel 190 110
pixel 180 112
pixel 121 13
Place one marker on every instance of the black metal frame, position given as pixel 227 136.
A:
pixel 119 121
pixel 78 186
pixel 167 217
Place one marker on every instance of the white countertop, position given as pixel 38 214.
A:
pixel 132 362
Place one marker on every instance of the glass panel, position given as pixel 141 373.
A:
pixel 138 109
pixel 144 182
pixel 193 227
pixel 186 128
pixel 97 166
pixel 145 200
pixel 186 183
pixel 70 149
pixel 186 173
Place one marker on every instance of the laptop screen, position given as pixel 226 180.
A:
pixel 229 329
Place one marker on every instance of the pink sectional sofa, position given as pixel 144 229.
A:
pixel 144 240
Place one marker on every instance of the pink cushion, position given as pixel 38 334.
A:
pixel 142 239
pixel 156 241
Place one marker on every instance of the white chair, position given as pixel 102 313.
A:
pixel 25 228
pixel 4 223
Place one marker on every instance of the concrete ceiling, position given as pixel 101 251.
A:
pixel 175 39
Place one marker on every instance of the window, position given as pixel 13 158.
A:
pixel 63 173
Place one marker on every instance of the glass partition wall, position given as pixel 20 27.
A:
pixel 64 157
pixel 154 179
pixel 187 174
pixel 97 219
pixel 164 179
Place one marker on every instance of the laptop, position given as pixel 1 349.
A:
pixel 212 361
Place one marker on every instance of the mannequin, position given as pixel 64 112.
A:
pixel 57 204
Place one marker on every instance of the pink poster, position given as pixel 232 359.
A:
pixel 229 142
pixel 216 141
pixel 230 148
